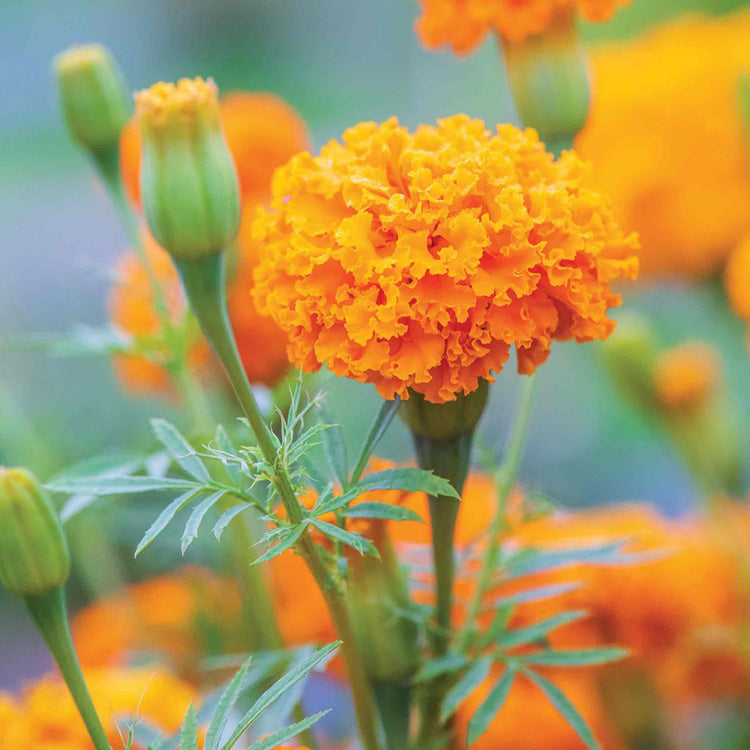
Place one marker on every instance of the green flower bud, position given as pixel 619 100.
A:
pixel 34 556
pixel 189 184
pixel 92 95
pixel 548 78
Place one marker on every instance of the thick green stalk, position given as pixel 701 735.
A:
pixel 394 703
pixel 48 611
pixel 203 281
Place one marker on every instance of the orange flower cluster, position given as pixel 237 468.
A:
pixel 262 132
pixel 463 24
pixel 174 616
pixel 686 375
pixel 670 101
pixel 737 280
pixel 45 717
pixel 416 260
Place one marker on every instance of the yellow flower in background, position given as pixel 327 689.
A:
pixel 417 260
pixel 687 375
pixel 463 24
pixel 667 140
pixel 737 280
pixel 44 717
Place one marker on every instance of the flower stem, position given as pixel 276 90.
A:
pixel 394 702
pixel 48 611
pixel 203 281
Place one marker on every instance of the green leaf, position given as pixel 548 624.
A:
pixel 440 666
pixel 382 510
pixel 384 418
pixel 583 658
pixel 224 443
pixel 227 517
pixel 334 445
pixel 569 712
pixel 114 463
pixel 180 449
pixel 223 712
pixel 284 735
pixel 165 517
pixel 490 707
pixel 535 561
pixel 287 540
pixel 292 677
pixel 534 594
pixel 99 486
pixel 497 626
pixel 196 518
pixel 474 677
pixel 539 630
pixel 356 541
pixel 189 731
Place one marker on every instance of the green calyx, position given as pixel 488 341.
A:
pixel 34 557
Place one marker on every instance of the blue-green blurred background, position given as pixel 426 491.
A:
pixel 337 62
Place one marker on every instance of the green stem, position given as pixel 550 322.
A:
pixel 203 281
pixel 394 702
pixel 506 479
pixel 48 611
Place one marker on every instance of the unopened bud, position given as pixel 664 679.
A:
pixel 189 184
pixel 92 96
pixel 687 376
pixel 34 556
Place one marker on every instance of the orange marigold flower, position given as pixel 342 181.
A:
pixel 463 24
pixel 45 717
pixel 416 260
pixel 686 375
pixel 262 132
pixel 670 100
pixel 737 280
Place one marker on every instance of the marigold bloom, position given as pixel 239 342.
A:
pixel 671 93
pixel 686 375
pixel 463 24
pixel 262 132
pixel 416 260
pixel 45 717
pixel 737 280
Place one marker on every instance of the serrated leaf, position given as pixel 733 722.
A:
pixel 284 735
pixel 227 517
pixel 582 658
pixel 539 630
pixel 224 444
pixel 100 486
pixel 490 707
pixel 382 421
pixel 497 626
pixel 334 446
pixel 382 510
pixel 164 518
pixel 115 463
pixel 568 711
pixel 223 712
pixel 180 449
pixel 474 677
pixel 534 594
pixel 440 666
pixel 292 677
pixel 189 731
pixel 356 541
pixel 286 541
pixel 535 561
pixel 196 518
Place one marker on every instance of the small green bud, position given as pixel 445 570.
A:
pixel 92 95
pixel 189 184
pixel 34 556
pixel 548 78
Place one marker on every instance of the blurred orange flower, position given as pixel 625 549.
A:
pixel 45 717
pixel 262 132
pixel 737 280
pixel 670 101
pixel 686 375
pixel 416 260
pixel 463 24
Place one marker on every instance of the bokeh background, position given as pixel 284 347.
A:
pixel 337 63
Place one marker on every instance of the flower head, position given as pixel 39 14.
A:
pixel 671 102
pixel 416 260
pixel 686 376
pixel 463 24
pixel 737 280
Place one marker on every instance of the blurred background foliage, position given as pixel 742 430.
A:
pixel 337 63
